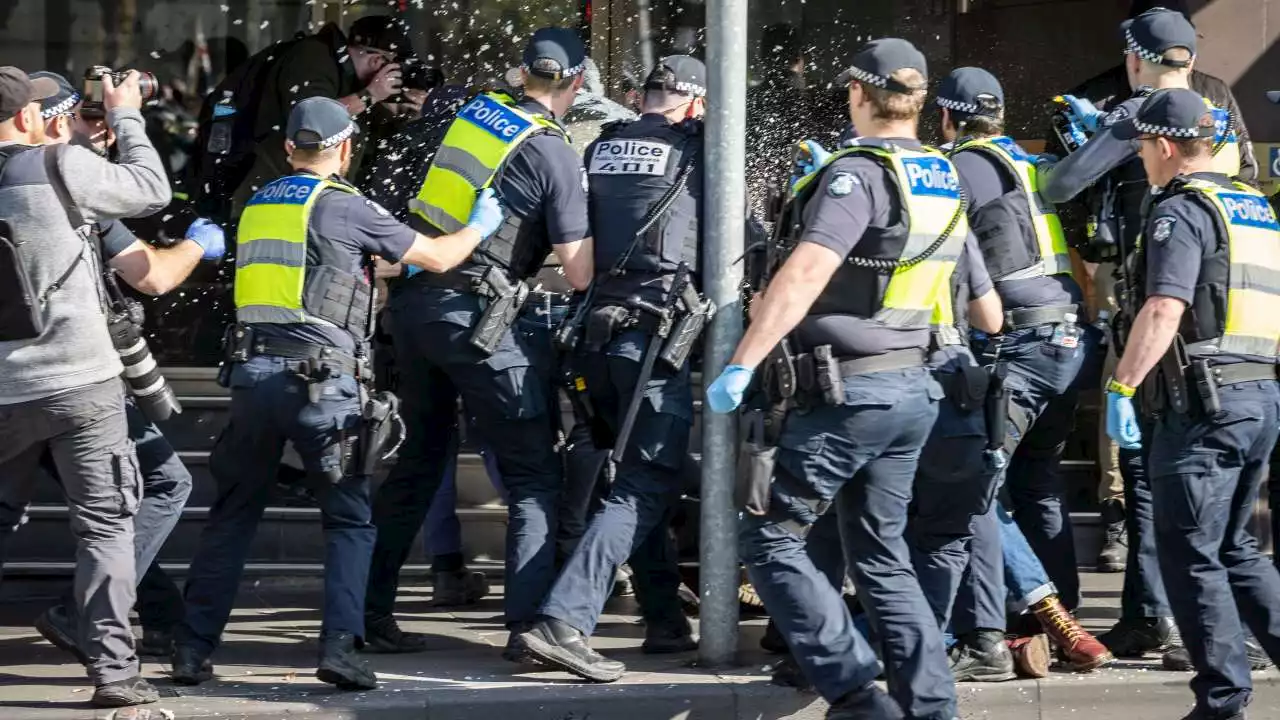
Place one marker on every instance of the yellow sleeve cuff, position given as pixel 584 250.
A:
pixel 1120 388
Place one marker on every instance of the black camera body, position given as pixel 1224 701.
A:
pixel 92 105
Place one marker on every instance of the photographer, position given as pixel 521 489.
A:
pixel 59 371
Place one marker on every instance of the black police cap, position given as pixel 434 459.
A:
pixel 1155 32
pixel 318 123
pixel 971 91
pixel 61 102
pixel 1175 113
pixel 879 59
pixel 680 74
pixel 554 53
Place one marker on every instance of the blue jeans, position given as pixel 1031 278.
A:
pixel 442 531
pixel 860 457
pixel 647 484
pixel 1143 595
pixel 269 405
pixel 1206 472
pixel 1004 574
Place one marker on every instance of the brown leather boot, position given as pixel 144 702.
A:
pixel 1030 656
pixel 1080 650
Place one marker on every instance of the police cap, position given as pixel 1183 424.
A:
pixel 1155 32
pixel 971 91
pixel 679 74
pixel 318 123
pixel 381 32
pixel 879 59
pixel 554 53
pixel 61 102
pixel 18 90
pixel 1175 113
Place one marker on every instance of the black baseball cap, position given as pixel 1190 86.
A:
pixel 318 123
pixel 61 102
pixel 879 59
pixel 1157 31
pixel 381 32
pixel 18 90
pixel 681 74
pixel 554 53
pixel 1175 113
pixel 972 91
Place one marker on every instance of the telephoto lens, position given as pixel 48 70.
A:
pixel 149 388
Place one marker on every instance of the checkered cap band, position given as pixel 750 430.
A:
pixel 958 106
pixel 334 140
pixel 1132 46
pixel 61 108
pixel 566 73
pixel 1177 132
pixel 690 89
pixel 870 78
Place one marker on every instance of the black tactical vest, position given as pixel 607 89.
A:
pixel 632 167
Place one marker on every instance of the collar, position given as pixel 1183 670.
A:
pixel 530 105
pixel 907 143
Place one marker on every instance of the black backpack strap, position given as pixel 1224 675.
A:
pixel 83 229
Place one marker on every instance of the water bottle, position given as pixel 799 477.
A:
pixel 1066 333
pixel 1103 324
pixel 224 114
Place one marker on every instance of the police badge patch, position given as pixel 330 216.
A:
pixel 1162 229
pixel 1120 113
pixel 841 184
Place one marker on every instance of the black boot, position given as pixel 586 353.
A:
pixel 382 635
pixel 156 643
pixel 1115 547
pixel 555 643
pixel 668 639
pixel 772 640
pixel 787 673
pixel 869 703
pixel 458 588
pixel 57 625
pixel 340 665
pixel 1132 638
pixel 982 656
pixel 1178 659
pixel 123 693
pixel 189 666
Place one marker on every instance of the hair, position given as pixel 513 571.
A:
pixel 314 156
pixel 979 125
pixel 543 85
pixel 1196 148
pixel 1176 54
pixel 890 106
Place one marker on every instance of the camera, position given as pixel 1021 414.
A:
pixel 147 386
pixel 92 106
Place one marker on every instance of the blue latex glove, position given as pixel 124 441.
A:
pixel 209 237
pixel 1122 422
pixel 725 394
pixel 816 158
pixel 486 215
pixel 1083 111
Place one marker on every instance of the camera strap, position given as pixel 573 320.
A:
pixel 78 224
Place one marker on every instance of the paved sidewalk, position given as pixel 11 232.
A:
pixel 264 670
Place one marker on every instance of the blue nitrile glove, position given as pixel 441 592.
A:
pixel 486 215
pixel 209 236
pixel 818 156
pixel 725 394
pixel 1083 111
pixel 1122 422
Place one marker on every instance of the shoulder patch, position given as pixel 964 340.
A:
pixel 1120 113
pixel 841 184
pixel 377 208
pixel 1162 229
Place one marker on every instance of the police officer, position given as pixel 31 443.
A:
pixel 296 367
pixel 453 332
pixel 1160 46
pixel 1040 354
pixel 1210 328
pixel 646 194
pixel 883 223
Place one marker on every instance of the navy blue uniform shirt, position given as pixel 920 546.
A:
pixel 352 228
pixel 986 180
pixel 867 204
pixel 1103 153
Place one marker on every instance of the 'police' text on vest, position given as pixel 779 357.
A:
pixel 491 116
pixel 931 176
pixel 1249 210
pixel 630 157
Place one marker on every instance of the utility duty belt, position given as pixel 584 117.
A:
pixel 242 343
pixel 819 375
pixel 1020 318
pixel 1178 372
pixel 677 324
pixel 505 298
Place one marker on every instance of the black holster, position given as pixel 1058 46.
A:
pixel 995 408
pixel 697 310
pixel 1170 390
pixel 1206 387
pixel 603 325
pixel 381 416
pixel 505 300
pixel 757 455
pixel 966 387
pixel 237 347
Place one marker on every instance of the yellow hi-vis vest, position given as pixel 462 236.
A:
pixel 1051 242
pixel 271 250
pixel 918 296
pixel 1252 322
pixel 482 136
pixel 1226 141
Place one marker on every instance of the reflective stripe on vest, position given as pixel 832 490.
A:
pixel 271 250
pixel 1252 323
pixel 483 135
pixel 1051 242
pixel 1226 146
pixel 929 187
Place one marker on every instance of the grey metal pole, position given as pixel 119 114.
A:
pixel 723 225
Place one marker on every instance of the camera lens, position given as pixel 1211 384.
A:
pixel 149 86
pixel 154 396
